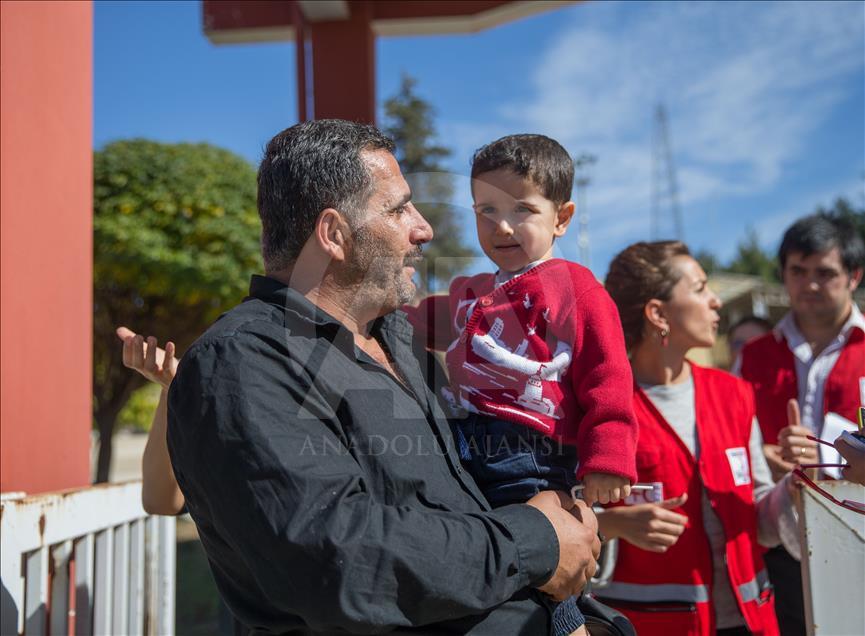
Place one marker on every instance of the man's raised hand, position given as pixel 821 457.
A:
pixel 796 448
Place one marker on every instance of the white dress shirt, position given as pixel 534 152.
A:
pixel 812 371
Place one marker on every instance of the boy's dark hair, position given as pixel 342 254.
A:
pixel 306 169
pixel 539 158
pixel 820 233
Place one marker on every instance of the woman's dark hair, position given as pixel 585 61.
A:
pixel 536 157
pixel 820 233
pixel 306 169
pixel 638 274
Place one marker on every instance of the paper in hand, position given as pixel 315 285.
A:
pixel 833 427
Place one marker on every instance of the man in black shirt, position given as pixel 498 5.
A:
pixel 314 459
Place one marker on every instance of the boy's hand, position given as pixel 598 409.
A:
pixel 604 488
pixel 153 363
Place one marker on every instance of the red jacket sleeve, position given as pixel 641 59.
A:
pixel 603 383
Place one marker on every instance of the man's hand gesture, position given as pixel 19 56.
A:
pixel 796 448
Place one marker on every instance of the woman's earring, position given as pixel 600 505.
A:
pixel 664 337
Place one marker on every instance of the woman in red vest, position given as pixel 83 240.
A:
pixel 690 555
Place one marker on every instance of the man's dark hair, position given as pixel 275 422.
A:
pixel 539 158
pixel 820 233
pixel 306 169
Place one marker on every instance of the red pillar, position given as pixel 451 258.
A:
pixel 343 63
pixel 45 244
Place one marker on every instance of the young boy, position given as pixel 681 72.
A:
pixel 535 351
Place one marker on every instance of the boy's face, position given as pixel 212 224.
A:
pixel 516 223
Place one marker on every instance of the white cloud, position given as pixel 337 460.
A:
pixel 745 85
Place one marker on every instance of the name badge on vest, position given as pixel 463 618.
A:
pixel 655 495
pixel 739 465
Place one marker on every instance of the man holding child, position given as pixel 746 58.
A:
pixel 313 457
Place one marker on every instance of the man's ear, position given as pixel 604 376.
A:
pixel 563 217
pixel 855 279
pixel 331 233
pixel 656 319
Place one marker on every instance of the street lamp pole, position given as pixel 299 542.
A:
pixel 582 181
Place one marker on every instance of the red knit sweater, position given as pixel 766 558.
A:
pixel 545 350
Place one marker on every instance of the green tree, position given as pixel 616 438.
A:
pixel 843 209
pixel 409 122
pixel 175 240
pixel 708 261
pixel 752 259
pixel 137 413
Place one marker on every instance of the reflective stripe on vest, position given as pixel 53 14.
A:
pixel 750 591
pixel 652 593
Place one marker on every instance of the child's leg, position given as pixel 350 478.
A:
pixel 503 459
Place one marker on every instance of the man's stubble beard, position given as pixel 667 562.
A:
pixel 375 274
pixel 823 314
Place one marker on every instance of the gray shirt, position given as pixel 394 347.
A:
pixel 676 403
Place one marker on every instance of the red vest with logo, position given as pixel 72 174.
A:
pixel 768 364
pixel 671 593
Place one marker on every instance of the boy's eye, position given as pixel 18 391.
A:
pixel 486 209
pixel 523 209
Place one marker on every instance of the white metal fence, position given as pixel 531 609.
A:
pixel 833 561
pixel 87 561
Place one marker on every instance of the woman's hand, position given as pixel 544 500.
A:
pixel 160 493
pixel 652 527
pixel 155 364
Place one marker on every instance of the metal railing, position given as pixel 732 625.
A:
pixel 87 561
pixel 833 560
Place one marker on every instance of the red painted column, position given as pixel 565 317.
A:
pixel 343 63
pixel 46 244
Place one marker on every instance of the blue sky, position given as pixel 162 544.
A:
pixel 766 102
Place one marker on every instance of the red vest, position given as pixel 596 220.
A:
pixel 768 364
pixel 671 593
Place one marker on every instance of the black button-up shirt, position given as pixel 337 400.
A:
pixel 328 495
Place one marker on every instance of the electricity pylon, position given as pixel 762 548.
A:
pixel 664 187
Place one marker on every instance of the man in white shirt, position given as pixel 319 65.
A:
pixel 811 364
